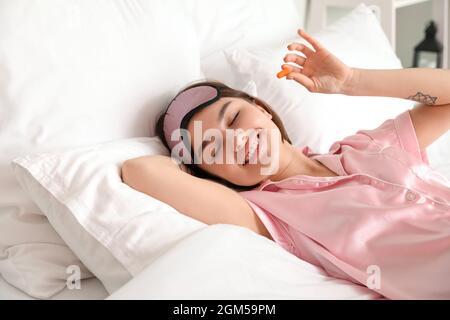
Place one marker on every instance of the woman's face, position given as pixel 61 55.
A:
pixel 235 140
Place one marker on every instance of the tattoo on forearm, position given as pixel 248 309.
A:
pixel 423 98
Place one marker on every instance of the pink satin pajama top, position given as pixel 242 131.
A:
pixel 384 222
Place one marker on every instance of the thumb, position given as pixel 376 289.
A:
pixel 303 80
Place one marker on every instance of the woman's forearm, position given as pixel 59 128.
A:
pixel 425 85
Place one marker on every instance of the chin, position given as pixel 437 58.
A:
pixel 249 183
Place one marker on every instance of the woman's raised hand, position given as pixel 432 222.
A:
pixel 317 69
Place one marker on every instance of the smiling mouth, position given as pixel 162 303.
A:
pixel 251 150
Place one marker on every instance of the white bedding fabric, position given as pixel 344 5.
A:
pixel 90 289
pixel 219 262
pixel 76 73
pixel 439 155
pixel 35 117
pixel 115 230
pixel 229 262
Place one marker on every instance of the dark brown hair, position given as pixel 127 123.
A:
pixel 226 92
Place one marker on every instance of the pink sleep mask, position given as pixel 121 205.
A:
pixel 184 106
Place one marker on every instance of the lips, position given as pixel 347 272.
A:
pixel 251 148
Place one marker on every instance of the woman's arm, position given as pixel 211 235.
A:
pixel 319 70
pixel 431 87
pixel 427 86
pixel 207 201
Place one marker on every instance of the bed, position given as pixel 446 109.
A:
pixel 59 76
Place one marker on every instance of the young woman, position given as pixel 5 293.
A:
pixel 371 210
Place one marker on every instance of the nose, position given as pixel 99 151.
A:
pixel 241 140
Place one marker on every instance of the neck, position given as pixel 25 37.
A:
pixel 293 162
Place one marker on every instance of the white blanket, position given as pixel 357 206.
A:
pixel 230 262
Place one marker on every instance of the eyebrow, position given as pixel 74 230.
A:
pixel 222 111
pixel 219 119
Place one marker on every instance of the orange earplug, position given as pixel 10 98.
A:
pixel 283 73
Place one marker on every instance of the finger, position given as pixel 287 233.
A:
pixel 303 80
pixel 292 57
pixel 315 44
pixel 292 68
pixel 302 48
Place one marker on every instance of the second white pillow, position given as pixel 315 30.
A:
pixel 318 120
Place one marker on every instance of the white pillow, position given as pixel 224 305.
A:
pixel 76 73
pixel 236 23
pixel 318 120
pixel 218 25
pixel 115 230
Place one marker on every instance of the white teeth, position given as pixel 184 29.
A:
pixel 252 149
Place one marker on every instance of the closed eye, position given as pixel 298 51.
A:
pixel 234 119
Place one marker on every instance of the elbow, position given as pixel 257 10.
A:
pixel 145 173
pixel 128 171
pixel 136 173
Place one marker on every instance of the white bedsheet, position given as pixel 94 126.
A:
pixel 91 289
pixel 229 262
pixel 439 155
pixel 207 265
